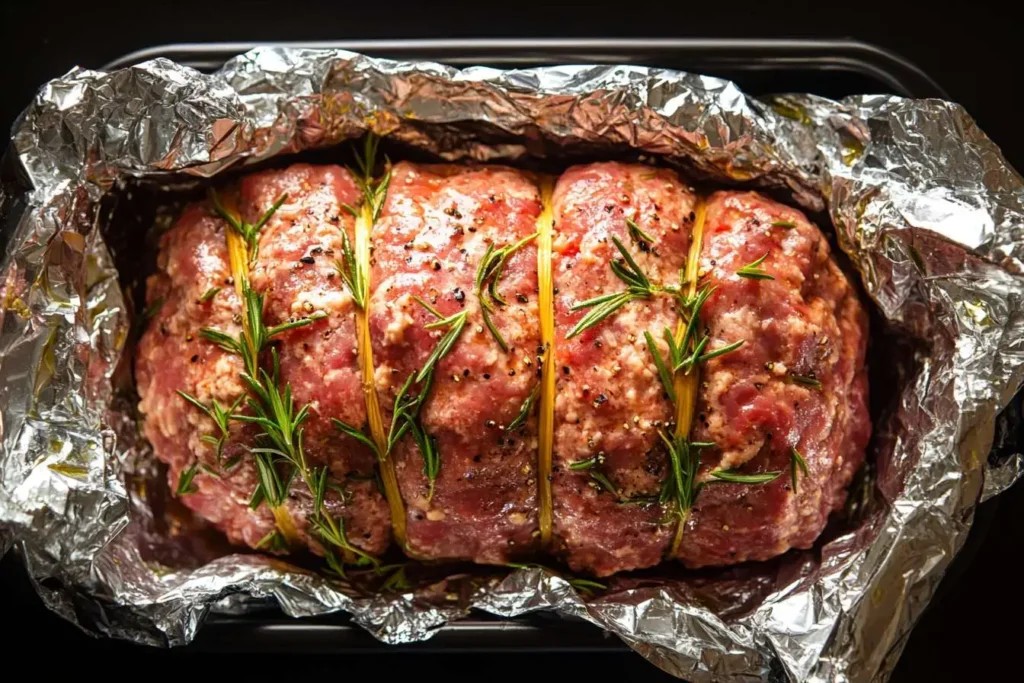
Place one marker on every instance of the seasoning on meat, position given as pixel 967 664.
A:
pixel 794 396
pixel 483 506
pixel 612 375
pixel 607 367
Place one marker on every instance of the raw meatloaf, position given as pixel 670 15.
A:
pixel 431 236
pixel 794 394
pixel 295 272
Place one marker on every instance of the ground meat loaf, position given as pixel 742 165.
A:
pixel 434 230
pixel 799 382
pixel 318 361
pixel 610 403
pixel 794 394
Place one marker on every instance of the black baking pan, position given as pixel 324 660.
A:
pixel 829 68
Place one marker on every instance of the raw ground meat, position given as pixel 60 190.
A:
pixel 803 328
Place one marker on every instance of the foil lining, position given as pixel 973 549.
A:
pixel 928 211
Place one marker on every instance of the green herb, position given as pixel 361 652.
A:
pixel 783 224
pixel 357 434
pixel 275 412
pixel 351 272
pixel 797 461
pixel 638 235
pixel 153 309
pixel 488 276
pixel 219 416
pixel 374 192
pixel 250 232
pixel 255 335
pixel 664 374
pixel 209 294
pixel 806 381
pixel 397 580
pixel 525 410
pixel 754 271
pixel 279 455
pixel 728 348
pixel 684 462
pixel 586 464
pixel 185 484
pixel 603 481
pixel 454 324
pixel 735 477
pixel 638 286
pixel 273 541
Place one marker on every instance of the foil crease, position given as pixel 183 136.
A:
pixel 928 211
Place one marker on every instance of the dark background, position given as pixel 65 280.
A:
pixel 970 50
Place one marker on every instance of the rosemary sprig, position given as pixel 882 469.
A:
pixel 754 271
pixel 373 191
pixel 684 463
pixel 805 380
pixel 219 416
pixel 488 276
pixel 185 483
pixel 638 286
pixel 638 235
pixel 405 416
pixel 734 477
pixel 351 272
pixel 454 324
pixel 209 294
pixel 250 232
pixel 255 334
pixel 275 412
pixel 525 410
pixel 796 461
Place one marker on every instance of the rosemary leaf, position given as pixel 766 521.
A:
pixel 153 309
pixel 783 224
pixel 636 234
pixel 491 327
pixel 729 348
pixel 603 481
pixel 455 325
pixel 525 410
pixel 185 483
pixel 209 294
pixel 600 312
pixel 663 372
pixel 806 381
pixel 585 464
pixel 734 477
pixel 753 270
pixel 797 461
pixel 357 434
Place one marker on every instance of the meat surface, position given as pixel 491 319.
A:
pixel 610 403
pixel 171 356
pixel 318 361
pixel 794 393
pixel 757 404
pixel 434 230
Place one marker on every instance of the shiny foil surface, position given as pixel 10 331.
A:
pixel 929 213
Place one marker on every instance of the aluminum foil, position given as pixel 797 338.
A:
pixel 928 211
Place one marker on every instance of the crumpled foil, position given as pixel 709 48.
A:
pixel 929 213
